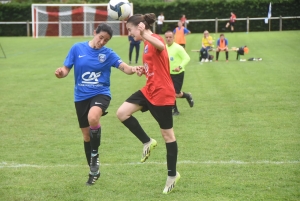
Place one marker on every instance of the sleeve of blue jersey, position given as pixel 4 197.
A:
pixel 69 61
pixel 186 31
pixel 116 60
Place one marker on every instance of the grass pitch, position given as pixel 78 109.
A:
pixel 241 141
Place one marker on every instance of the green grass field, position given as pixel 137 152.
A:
pixel 241 140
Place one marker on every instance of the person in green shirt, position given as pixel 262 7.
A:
pixel 178 60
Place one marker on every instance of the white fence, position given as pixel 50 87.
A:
pixel 247 24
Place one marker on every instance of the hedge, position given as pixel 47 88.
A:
pixel 192 9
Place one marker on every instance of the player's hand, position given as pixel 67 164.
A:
pixel 176 69
pixel 59 73
pixel 139 70
pixel 141 28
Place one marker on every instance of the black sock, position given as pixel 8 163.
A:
pixel 172 151
pixel 134 126
pixel 87 150
pixel 184 95
pixel 175 107
pixel 226 55
pixel 95 136
pixel 217 55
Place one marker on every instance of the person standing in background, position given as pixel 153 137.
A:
pixel 180 33
pixel 178 60
pixel 160 22
pixel 183 20
pixel 134 44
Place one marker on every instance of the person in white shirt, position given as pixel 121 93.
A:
pixel 160 21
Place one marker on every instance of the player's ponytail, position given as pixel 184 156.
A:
pixel 148 19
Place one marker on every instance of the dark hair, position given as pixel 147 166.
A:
pixel 105 28
pixel 221 35
pixel 148 19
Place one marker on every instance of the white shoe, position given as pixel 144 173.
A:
pixel 148 147
pixel 171 182
pixel 206 60
pixel 202 60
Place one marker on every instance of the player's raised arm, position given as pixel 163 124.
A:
pixel 62 72
pixel 146 35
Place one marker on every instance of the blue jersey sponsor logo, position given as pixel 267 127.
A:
pixel 90 77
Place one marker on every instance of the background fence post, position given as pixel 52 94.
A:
pixel 59 28
pixel 28 28
pixel 280 23
pixel 216 26
pixel 248 22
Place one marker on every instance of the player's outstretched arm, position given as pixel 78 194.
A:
pixel 129 70
pixel 62 72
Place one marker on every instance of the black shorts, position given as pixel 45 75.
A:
pixel 231 24
pixel 162 114
pixel 83 108
pixel 178 81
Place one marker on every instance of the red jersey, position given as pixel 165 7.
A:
pixel 159 88
pixel 232 18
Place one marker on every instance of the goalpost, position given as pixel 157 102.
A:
pixel 68 20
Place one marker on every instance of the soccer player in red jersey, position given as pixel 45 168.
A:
pixel 231 21
pixel 157 96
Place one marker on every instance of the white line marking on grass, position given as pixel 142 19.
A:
pixel 231 162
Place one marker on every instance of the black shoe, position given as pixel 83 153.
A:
pixel 175 113
pixel 190 100
pixel 94 165
pixel 92 179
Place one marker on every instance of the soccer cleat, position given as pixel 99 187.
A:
pixel 202 60
pixel 190 100
pixel 175 113
pixel 171 182
pixel 92 179
pixel 206 60
pixel 148 147
pixel 94 165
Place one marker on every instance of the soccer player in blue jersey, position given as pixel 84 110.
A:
pixel 92 63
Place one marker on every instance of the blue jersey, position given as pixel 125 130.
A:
pixel 92 69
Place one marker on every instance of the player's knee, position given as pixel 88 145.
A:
pixel 93 119
pixel 121 114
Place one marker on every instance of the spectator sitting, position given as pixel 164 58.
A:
pixel 222 45
pixel 206 46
